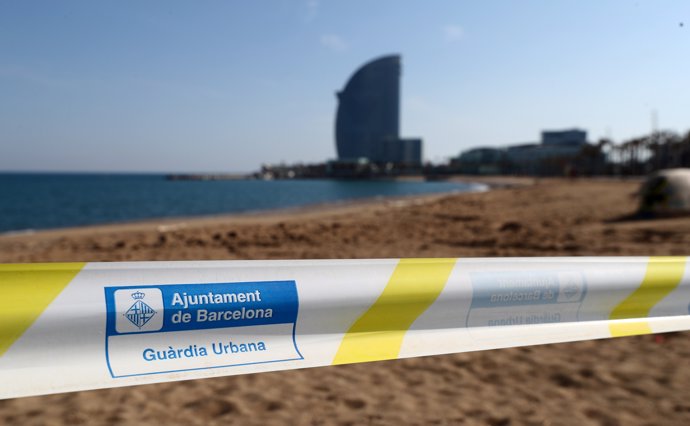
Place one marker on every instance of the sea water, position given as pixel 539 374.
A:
pixel 45 200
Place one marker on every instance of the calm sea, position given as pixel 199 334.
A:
pixel 41 201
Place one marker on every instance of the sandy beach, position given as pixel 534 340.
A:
pixel 635 380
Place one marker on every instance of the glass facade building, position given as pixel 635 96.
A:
pixel 368 116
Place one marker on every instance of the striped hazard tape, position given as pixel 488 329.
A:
pixel 76 326
pixel 26 291
pixel 662 276
pixel 378 334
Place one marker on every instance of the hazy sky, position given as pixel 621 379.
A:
pixel 225 86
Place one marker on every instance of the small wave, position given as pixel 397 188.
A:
pixel 478 187
pixel 18 232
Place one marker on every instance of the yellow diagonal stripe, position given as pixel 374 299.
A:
pixel 25 291
pixel 662 276
pixel 379 332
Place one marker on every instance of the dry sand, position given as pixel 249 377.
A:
pixel 634 380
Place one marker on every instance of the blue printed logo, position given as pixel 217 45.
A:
pixel 139 313
pixel 138 310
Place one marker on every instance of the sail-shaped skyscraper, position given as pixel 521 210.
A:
pixel 368 118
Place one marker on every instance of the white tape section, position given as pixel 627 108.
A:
pixel 75 326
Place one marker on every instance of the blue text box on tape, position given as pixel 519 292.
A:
pixel 166 328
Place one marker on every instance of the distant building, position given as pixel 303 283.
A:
pixel 403 151
pixel 367 131
pixel 574 138
pixel 556 154
pixel 480 161
pixel 367 122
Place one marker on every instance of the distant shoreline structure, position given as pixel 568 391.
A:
pixel 262 176
pixel 208 176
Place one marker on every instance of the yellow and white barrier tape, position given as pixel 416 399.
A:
pixel 76 326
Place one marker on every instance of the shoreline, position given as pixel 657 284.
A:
pixel 546 217
pixel 264 215
pixel 316 210
pixel 247 217
pixel 308 211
